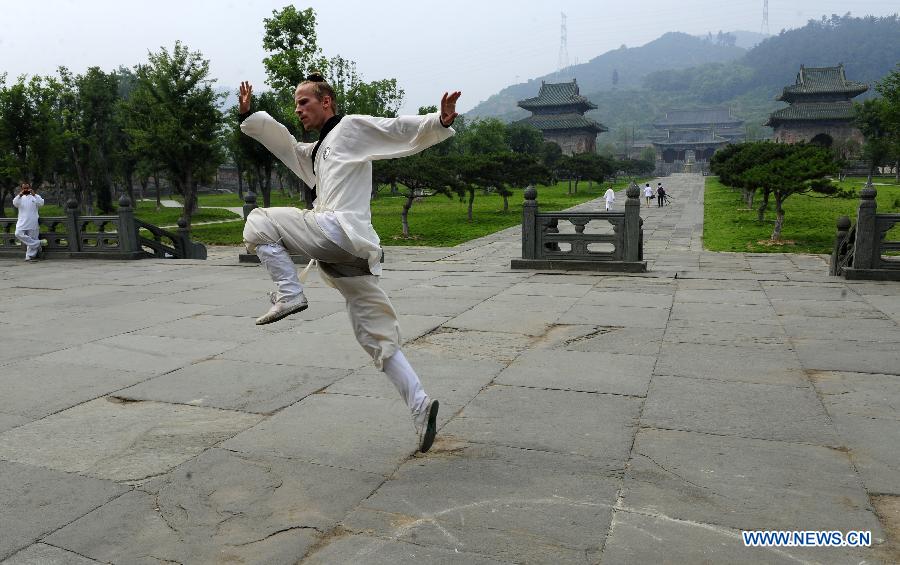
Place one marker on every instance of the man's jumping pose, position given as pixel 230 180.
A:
pixel 337 233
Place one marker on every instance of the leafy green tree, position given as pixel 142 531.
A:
pixel 290 38
pixel 421 175
pixel 483 137
pixel 523 138
pixel 173 116
pixel 779 169
pixel 519 170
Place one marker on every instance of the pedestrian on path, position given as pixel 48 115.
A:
pixel 610 197
pixel 648 193
pixel 27 223
pixel 337 233
pixel 660 195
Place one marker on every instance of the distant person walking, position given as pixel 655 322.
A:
pixel 27 228
pixel 660 195
pixel 610 197
pixel 648 193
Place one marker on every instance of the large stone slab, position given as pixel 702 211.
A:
pixel 235 385
pixel 502 347
pixel 609 297
pixel 121 441
pixel 368 550
pixel 740 313
pixel 712 296
pixel 37 388
pixel 351 432
pixel 591 425
pixel 9 421
pixel 818 292
pixel 222 506
pixel 606 339
pixel 758 364
pixel 304 349
pixel 133 529
pixel 626 316
pixel 724 333
pixel 746 484
pixel 35 501
pixel 43 554
pixel 581 371
pixel 522 315
pixel 638 537
pixel 142 353
pixel 851 356
pixel 874 445
pixel 827 309
pixel 16 348
pixel 873 330
pixel 741 409
pixel 509 504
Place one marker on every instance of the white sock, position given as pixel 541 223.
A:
pixel 401 373
pixel 277 262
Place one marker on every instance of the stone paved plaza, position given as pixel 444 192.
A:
pixel 584 418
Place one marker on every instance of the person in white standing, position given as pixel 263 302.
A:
pixel 27 228
pixel 610 197
pixel 648 193
pixel 337 234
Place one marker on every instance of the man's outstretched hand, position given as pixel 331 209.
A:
pixel 244 97
pixel 448 107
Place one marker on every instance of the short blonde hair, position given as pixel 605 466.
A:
pixel 320 87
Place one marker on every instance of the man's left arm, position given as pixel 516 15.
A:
pixel 387 138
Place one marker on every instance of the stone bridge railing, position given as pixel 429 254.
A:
pixel 544 246
pixel 861 251
pixel 103 237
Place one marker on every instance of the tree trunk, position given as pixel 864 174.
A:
pixel 240 175
pixel 471 201
pixel 750 195
pixel 897 171
pixel 143 181
pixel 761 211
pixel 189 192
pixel 569 191
pixel 404 214
pixel 506 203
pixel 576 185
pixel 158 195
pixel 3 194
pixel 779 216
pixel 265 184
pixel 393 188
pixel 590 184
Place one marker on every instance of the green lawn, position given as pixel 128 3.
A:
pixel 809 220
pixel 164 217
pixel 437 220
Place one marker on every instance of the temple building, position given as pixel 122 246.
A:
pixel 685 140
pixel 820 108
pixel 558 112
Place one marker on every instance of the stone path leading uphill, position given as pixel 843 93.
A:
pixel 584 419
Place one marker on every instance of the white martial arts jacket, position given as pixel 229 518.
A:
pixel 28 205
pixel 343 167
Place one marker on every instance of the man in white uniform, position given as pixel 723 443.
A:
pixel 648 193
pixel 27 228
pixel 337 233
pixel 610 197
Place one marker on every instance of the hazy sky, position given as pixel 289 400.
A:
pixel 474 46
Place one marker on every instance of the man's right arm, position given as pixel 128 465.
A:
pixel 276 138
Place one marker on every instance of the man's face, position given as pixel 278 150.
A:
pixel 313 113
pixel 26 187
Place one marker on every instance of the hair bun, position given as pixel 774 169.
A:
pixel 315 76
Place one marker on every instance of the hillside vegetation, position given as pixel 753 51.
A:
pixel 682 71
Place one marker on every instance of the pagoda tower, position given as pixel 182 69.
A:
pixel 558 112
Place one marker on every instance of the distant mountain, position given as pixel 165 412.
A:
pixel 682 71
pixel 630 65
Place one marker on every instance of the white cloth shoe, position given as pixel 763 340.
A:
pixel 283 308
pixel 426 424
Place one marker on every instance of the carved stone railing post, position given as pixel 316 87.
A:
pixel 249 203
pixel 843 228
pixel 128 235
pixel 867 237
pixel 529 226
pixel 632 223
pixel 72 230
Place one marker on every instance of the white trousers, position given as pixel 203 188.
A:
pixel 275 233
pixel 29 239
